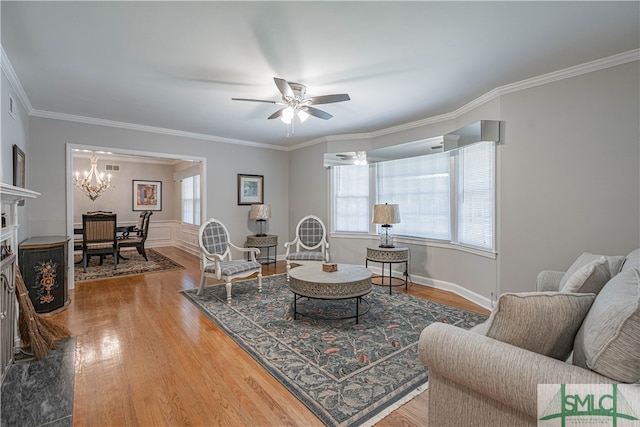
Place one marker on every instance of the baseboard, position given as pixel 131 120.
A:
pixel 465 293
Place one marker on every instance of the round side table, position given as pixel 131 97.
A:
pixel 389 256
pixel 264 242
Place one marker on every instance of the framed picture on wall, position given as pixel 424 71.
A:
pixel 147 195
pixel 19 169
pixel 250 189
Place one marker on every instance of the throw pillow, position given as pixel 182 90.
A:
pixel 586 275
pixel 542 322
pixel 609 340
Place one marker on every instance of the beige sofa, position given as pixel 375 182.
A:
pixel 488 376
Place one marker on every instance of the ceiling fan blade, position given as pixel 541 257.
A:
pixel 317 113
pixel 328 99
pixel 284 88
pixel 277 114
pixel 253 100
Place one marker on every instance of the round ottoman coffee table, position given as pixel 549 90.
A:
pixel 349 281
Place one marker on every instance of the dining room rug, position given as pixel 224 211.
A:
pixel 134 264
pixel 347 374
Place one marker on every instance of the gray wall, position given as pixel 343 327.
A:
pixel 568 182
pixel 14 131
pixel 120 199
pixel 224 162
pixel 568 179
pixel 308 185
pixel 569 173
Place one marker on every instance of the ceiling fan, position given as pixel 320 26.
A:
pixel 295 103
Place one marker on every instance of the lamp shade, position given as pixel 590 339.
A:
pixel 386 214
pixel 260 212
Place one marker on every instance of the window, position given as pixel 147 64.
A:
pixel 447 196
pixel 420 186
pixel 191 200
pixel 351 198
pixel 476 195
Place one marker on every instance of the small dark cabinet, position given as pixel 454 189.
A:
pixel 43 264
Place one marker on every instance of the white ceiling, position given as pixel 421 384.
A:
pixel 176 65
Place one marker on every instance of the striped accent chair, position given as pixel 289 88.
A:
pixel 139 236
pixel 216 259
pixel 310 244
pixel 99 238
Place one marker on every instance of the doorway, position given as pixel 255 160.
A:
pixel 130 166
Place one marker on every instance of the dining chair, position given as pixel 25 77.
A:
pixel 216 259
pixel 139 237
pixel 99 238
pixel 310 244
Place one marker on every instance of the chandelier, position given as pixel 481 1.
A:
pixel 92 183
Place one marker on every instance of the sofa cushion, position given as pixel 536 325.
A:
pixel 631 261
pixel 588 274
pixel 609 340
pixel 542 322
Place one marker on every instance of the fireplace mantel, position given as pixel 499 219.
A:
pixel 9 198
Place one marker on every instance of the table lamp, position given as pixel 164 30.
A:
pixel 386 215
pixel 261 213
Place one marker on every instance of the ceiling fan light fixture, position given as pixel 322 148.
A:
pixel 303 115
pixel 296 104
pixel 287 115
pixel 360 159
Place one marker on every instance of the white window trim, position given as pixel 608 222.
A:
pixel 419 241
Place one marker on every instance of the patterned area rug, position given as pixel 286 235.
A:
pixel 135 264
pixel 347 374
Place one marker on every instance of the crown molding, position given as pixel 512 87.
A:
pixel 151 129
pixel 611 61
pixel 589 67
pixel 566 73
pixel 14 81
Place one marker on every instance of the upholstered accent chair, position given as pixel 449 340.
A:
pixel 99 238
pixel 490 374
pixel 139 236
pixel 216 259
pixel 310 244
pixel 77 239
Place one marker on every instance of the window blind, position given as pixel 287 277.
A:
pixel 476 195
pixel 351 198
pixel 421 188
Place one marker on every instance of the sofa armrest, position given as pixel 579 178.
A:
pixel 500 371
pixel 549 280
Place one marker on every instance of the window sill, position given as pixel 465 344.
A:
pixel 416 241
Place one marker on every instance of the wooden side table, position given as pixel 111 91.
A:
pixel 389 256
pixel 264 242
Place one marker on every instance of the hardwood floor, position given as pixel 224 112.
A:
pixel 146 356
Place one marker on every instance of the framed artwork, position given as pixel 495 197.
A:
pixel 147 195
pixel 18 167
pixel 250 189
